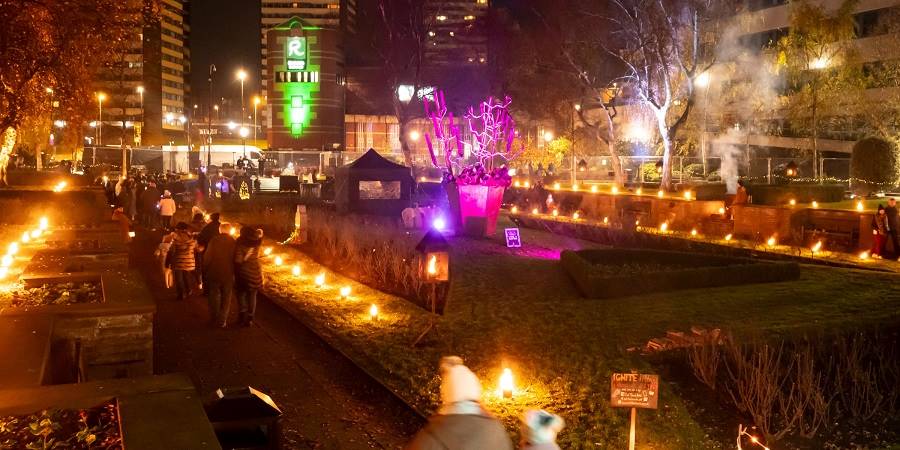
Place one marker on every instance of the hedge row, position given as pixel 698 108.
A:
pixel 779 194
pixel 711 271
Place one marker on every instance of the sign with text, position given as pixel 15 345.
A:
pixel 513 240
pixel 295 53
pixel 634 390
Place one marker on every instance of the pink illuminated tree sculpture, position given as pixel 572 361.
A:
pixel 446 135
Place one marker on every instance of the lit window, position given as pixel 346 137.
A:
pixel 469 17
pixel 431 33
pixel 452 34
pixel 441 18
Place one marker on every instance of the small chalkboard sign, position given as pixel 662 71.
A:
pixel 634 390
pixel 513 240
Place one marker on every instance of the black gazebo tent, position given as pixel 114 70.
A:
pixel 373 185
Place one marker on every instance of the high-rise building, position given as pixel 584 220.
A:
pixel 457 32
pixel 144 91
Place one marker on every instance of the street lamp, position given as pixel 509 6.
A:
pixel 816 65
pixel 548 136
pixel 256 102
pixel 100 97
pixel 241 76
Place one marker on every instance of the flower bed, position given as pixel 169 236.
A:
pixel 606 273
pixel 35 292
pixel 91 428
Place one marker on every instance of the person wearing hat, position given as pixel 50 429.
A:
pixel 539 430
pixel 249 272
pixel 167 210
pixel 462 423
pixel 182 259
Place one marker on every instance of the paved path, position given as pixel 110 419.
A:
pixel 328 403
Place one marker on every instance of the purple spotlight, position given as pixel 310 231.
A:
pixel 439 224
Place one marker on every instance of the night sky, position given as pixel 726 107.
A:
pixel 224 33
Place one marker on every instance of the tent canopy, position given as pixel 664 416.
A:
pixel 373 185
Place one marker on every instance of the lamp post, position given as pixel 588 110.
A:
pixel 38 160
pixel 212 70
pixel 100 97
pixel 817 64
pixel 241 76
pixel 256 102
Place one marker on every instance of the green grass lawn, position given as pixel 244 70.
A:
pixel 518 309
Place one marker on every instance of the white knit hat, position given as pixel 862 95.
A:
pixel 541 427
pixel 458 383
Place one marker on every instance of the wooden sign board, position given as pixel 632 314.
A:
pixel 634 390
pixel 513 239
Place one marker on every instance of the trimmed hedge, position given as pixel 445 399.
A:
pixel 874 166
pixel 705 271
pixel 779 194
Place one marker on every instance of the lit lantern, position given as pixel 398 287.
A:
pixel 722 211
pixel 639 191
pixel 534 211
pixel 44 223
pixel 434 263
pixel 660 193
pixel 793 202
pixel 817 247
pixel 594 189
pixel 555 212
pixel 859 206
pixel 35 234
pixel 320 280
pixel 296 271
pixel 664 227
pixel 25 237
pixel 517 184
pixel 267 251
pixel 864 256
pixel 13 248
pixel 606 221
pixel 527 184
pixel 6 261
pixel 373 312
pixel 556 186
pixel 688 195
pixel 131 234
pixel 514 209
pixel 278 261
pixel 506 383
pixel 771 242
pixel 345 292
pixel 728 237
pixel 693 231
pixel 575 187
pixel 575 216
pixel 232 231
pixel 815 204
pixel 615 190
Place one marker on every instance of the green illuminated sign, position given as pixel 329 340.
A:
pixel 295 53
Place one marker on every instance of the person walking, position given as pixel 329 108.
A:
pixel 218 276
pixel 249 272
pixel 539 430
pixel 894 223
pixel 149 200
pixel 461 423
pixel 181 255
pixel 880 229
pixel 209 231
pixel 167 210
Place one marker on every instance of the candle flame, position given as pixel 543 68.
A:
pixel 660 193
pixel 664 227
pixel 296 271
pixel 506 383
pixel 615 190
pixel 771 242
pixel 817 247
pixel 345 291
pixel 728 237
pixel 860 206
pixel 555 212
pixel 594 189
pixel 693 231
pixel 534 211
pixel 556 186
pixel 815 204
pixel 864 255
pixel 320 279
pixel 373 311
pixel 432 265
pixel 278 261
pixel 687 195
pixel 606 220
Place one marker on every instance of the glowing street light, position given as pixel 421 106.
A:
pixel 414 135
pixel 702 80
pixel 100 98
pixel 548 136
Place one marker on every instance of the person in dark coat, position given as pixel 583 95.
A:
pixel 182 259
pixel 248 271
pixel 218 274
pixel 894 223
pixel 209 231
pixel 149 198
pixel 461 423
pixel 880 230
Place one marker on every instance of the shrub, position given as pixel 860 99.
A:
pixel 874 166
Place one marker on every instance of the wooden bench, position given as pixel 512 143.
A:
pixel 836 228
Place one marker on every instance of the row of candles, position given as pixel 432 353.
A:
pixel 614 190
pixel 319 280
pixel 12 249
pixel 772 242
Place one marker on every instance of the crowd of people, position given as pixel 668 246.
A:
pixel 204 257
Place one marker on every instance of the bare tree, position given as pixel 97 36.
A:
pixel 401 49
pixel 659 46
